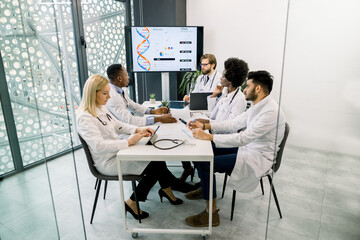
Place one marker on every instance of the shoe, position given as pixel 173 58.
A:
pixel 187 172
pixel 162 194
pixel 136 216
pixel 181 186
pixel 202 219
pixel 193 195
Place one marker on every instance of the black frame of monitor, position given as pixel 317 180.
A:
pixel 128 47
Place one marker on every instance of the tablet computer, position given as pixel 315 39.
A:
pixel 153 137
pixel 177 104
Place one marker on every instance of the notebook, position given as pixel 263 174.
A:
pixel 198 101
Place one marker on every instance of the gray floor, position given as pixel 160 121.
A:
pixel 319 194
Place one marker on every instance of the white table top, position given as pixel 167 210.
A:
pixel 152 105
pixel 198 150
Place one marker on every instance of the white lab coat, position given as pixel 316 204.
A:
pixel 120 108
pixel 257 148
pixel 214 80
pixel 104 143
pixel 228 106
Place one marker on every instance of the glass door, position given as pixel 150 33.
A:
pixel 38 70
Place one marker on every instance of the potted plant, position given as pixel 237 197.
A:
pixel 152 98
pixel 165 104
pixel 188 82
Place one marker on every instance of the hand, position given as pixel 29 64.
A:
pixel 196 124
pixel 203 120
pixel 146 130
pixel 134 139
pixel 166 118
pixel 186 98
pixel 160 110
pixel 200 134
pixel 218 89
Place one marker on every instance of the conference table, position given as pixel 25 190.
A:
pixel 192 150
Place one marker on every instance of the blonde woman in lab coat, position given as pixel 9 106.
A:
pixel 100 129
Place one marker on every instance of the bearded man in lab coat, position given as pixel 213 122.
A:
pixel 257 145
pixel 120 103
pixel 209 78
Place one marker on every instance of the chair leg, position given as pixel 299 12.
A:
pixel 233 205
pixel 96 183
pixel 224 185
pixel 262 186
pixel 275 197
pixel 95 201
pixel 105 188
pixel 136 200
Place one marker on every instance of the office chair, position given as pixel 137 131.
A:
pixel 275 167
pixel 99 177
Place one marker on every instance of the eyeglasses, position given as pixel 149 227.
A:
pixel 204 64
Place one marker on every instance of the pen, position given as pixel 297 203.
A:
pixel 193 121
pixel 183 121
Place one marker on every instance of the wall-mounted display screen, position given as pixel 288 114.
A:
pixel 163 49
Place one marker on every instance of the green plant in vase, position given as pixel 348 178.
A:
pixel 166 104
pixel 152 98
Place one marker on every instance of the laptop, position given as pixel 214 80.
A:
pixel 198 101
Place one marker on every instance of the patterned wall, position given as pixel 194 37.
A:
pixel 38 50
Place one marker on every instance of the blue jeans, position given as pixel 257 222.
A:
pixel 224 162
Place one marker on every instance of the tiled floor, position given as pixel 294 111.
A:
pixel 319 195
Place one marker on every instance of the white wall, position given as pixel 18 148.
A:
pixel 250 30
pixel 322 61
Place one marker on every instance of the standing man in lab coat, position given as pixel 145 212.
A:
pixel 119 104
pixel 209 79
pixel 257 145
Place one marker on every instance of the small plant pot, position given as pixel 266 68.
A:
pixel 152 100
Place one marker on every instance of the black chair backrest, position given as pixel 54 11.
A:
pixel 281 149
pixel 90 162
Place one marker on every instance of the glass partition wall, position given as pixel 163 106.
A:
pixel 40 85
pixel 318 182
pixel 32 74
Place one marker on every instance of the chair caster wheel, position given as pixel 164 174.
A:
pixel 134 235
pixel 204 237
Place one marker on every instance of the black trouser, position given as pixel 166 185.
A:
pixel 155 171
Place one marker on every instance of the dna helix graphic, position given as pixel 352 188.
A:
pixel 143 47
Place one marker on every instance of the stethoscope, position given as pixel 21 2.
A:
pixel 177 143
pixel 103 122
pixel 237 90
pixel 212 81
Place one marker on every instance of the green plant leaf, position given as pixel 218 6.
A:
pixel 188 80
